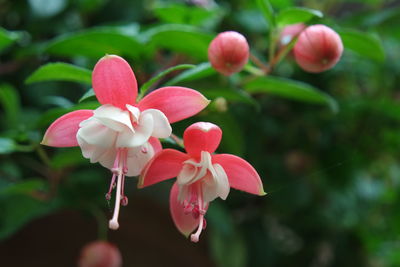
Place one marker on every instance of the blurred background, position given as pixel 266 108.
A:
pixel 329 160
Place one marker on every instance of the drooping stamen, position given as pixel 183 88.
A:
pixel 120 169
pixel 199 213
pixel 112 185
pixel 113 224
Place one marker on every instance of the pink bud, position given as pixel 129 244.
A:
pixel 318 48
pixel 290 32
pixel 100 254
pixel 228 52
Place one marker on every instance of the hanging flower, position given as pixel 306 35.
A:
pixel 122 134
pixel 201 176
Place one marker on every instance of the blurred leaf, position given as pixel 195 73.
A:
pixel 200 71
pixel 96 43
pixel 89 94
pixel 55 113
pixel 291 89
pixel 7 38
pixel 10 101
pixel 180 38
pixel 60 72
pixel 57 101
pixel 26 187
pixel 229 94
pixel 363 44
pixel 70 157
pixel 268 12
pixel 227 246
pixel 7 145
pixel 17 210
pixel 156 78
pixel 184 14
pixel 45 8
pixel 296 15
pixel 252 20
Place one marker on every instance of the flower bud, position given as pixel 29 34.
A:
pixel 228 52
pixel 100 254
pixel 318 48
pixel 290 32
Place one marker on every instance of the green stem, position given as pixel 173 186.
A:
pixel 43 155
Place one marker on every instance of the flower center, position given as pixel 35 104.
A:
pixel 199 183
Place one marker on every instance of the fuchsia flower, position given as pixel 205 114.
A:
pixel 228 52
pixel 122 134
pixel 318 48
pixel 201 176
pixel 100 254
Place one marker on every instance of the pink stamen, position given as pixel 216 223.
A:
pixel 198 213
pixel 144 149
pixel 113 224
pixel 116 169
pixel 112 185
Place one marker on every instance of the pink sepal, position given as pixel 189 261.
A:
pixel 62 132
pixel 114 82
pixel 164 165
pixel 185 223
pixel 156 144
pixel 201 136
pixel 177 103
pixel 241 174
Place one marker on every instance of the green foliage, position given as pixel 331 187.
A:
pixel 297 15
pixel 60 72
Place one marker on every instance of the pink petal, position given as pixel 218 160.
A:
pixel 62 132
pixel 185 223
pixel 114 82
pixel 177 103
pixel 241 174
pixel 164 165
pixel 202 136
pixel 156 144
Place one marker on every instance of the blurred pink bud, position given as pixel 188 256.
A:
pixel 290 32
pixel 318 48
pixel 100 254
pixel 228 52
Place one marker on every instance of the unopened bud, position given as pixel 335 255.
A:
pixel 318 48
pixel 100 254
pixel 228 52
pixel 290 32
pixel 220 104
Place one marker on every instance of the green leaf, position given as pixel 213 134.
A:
pixel 156 78
pixel 88 95
pixel 7 145
pixel 184 14
pixel 292 90
pixel 180 38
pixel 23 188
pixel 268 12
pixel 55 113
pixel 294 15
pixel 364 44
pixel 198 72
pixel 7 38
pixel 71 157
pixel 10 101
pixel 96 43
pixel 60 72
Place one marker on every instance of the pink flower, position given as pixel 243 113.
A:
pixel 318 48
pixel 100 254
pixel 201 176
pixel 290 32
pixel 121 134
pixel 228 52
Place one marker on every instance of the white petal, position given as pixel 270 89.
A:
pixel 94 133
pixel 138 158
pixel 92 152
pixel 162 128
pixel 209 188
pixel 142 133
pixel 135 112
pixel 187 174
pixel 221 181
pixel 113 117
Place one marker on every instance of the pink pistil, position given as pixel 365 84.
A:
pixel 198 212
pixel 119 171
